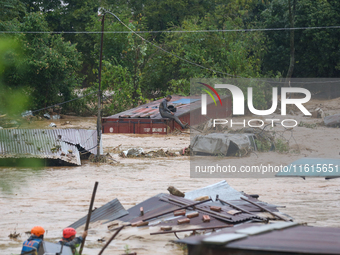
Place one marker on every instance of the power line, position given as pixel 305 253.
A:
pixel 171 31
pixel 198 31
pixel 64 102
pixel 188 61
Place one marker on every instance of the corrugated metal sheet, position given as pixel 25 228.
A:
pixel 109 212
pixel 55 144
pixel 151 110
pixel 291 240
pixel 222 188
pixel 151 206
pixel 162 203
pixel 155 206
pixel 229 194
pixel 36 143
pixel 87 139
pixel 205 209
pixel 197 221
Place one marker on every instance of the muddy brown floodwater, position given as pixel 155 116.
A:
pixel 55 197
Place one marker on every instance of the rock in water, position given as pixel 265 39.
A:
pixel 175 192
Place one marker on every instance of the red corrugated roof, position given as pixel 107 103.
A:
pixel 151 110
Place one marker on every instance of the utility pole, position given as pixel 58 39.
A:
pixel 99 117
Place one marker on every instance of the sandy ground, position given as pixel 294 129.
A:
pixel 55 197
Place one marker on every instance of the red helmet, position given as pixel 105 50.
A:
pixel 68 232
pixel 37 231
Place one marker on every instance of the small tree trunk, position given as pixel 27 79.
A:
pixel 292 47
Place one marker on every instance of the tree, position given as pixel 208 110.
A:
pixel 291 11
pixel 72 16
pixel 11 9
pixel 48 67
pixel 13 101
pixel 317 51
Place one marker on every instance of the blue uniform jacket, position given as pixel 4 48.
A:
pixel 31 244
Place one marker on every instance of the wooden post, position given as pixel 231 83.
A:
pixel 89 215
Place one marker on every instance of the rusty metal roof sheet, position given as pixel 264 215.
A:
pixel 163 203
pixel 155 206
pixel 151 206
pixel 151 110
pixel 56 144
pixel 111 211
pixel 222 215
pixel 285 240
pixel 196 221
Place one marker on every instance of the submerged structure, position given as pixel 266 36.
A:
pixel 216 219
pixel 146 119
pixel 49 146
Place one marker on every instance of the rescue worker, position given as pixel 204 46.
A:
pixel 32 244
pixel 166 113
pixel 69 239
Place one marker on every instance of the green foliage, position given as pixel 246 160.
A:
pixel 54 65
pixel 281 146
pixel 307 125
pixel 263 145
pixel 11 9
pixel 127 249
pixel 178 87
pixel 316 51
pixel 47 70
pixel 13 101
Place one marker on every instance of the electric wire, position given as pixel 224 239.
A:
pixel 63 102
pixel 203 67
pixel 192 31
pixel 173 31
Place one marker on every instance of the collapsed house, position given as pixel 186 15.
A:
pixel 50 146
pixel 233 207
pixel 220 220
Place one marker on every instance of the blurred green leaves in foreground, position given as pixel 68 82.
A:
pixel 13 101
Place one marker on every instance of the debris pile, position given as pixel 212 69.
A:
pixel 107 158
pixel 14 235
pixel 8 122
pixel 139 152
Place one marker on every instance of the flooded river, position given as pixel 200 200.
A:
pixel 55 197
